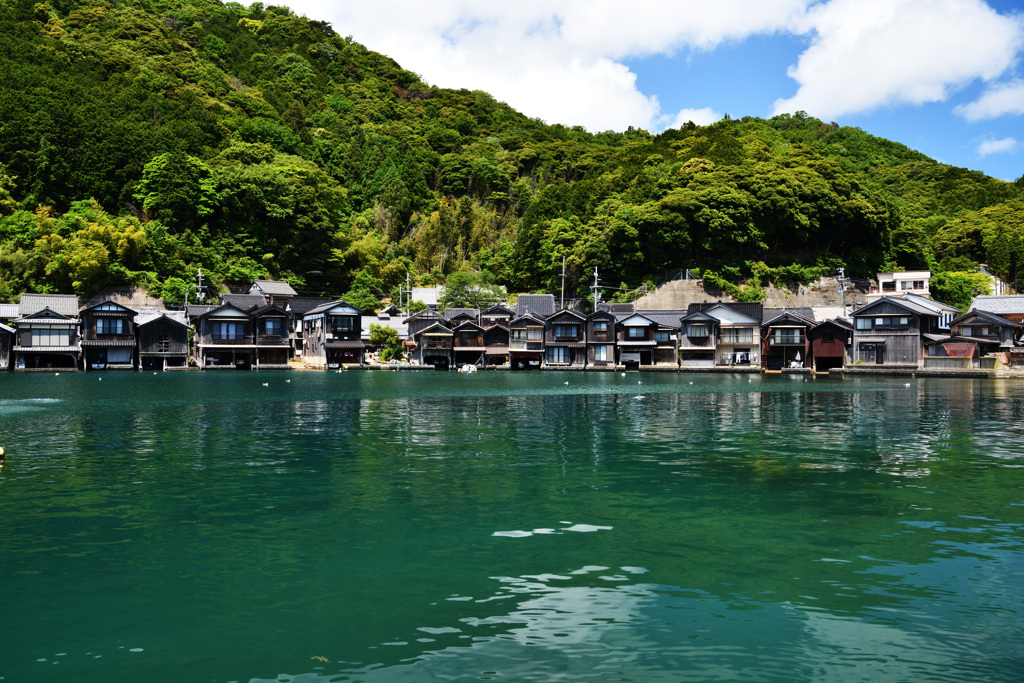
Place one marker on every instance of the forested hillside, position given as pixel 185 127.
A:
pixel 140 141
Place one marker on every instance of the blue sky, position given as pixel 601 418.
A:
pixel 941 76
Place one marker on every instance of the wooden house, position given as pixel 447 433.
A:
pixel 6 342
pixel 634 338
pixel 785 342
pixel 831 342
pixel 332 335
pixel 273 345
pixel 433 345
pixel 47 333
pixel 108 337
pixel 496 338
pixel 976 334
pixel 275 292
pixel 890 331
pixel 599 333
pixel 224 339
pixel 738 341
pixel 565 343
pixel 698 340
pixel 666 335
pixel 468 344
pixel 457 316
pixel 498 314
pixel 162 338
pixel 297 307
pixel 1009 306
pixel 526 342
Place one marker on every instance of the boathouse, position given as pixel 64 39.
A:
pixel 331 335
pixel 162 338
pixel 47 332
pixel 108 337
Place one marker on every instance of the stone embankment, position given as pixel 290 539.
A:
pixel 679 294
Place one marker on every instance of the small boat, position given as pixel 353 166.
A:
pixel 467 368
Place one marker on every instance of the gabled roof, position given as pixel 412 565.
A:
pixel 276 287
pixel 928 302
pixel 147 315
pixel 601 313
pixel 991 317
pixel 110 303
pixel 527 318
pixel 300 305
pixel 836 322
pixel 438 327
pixel 804 312
pixel 428 312
pixel 565 311
pixel 788 317
pixel 323 308
pixel 47 314
pixel 698 315
pixel 665 317
pixel 267 309
pixel 453 313
pixel 535 304
pixel 225 307
pixel 498 307
pixel 636 320
pixel 901 302
pixel 467 325
pixel 62 304
pixel 390 309
pixel 1007 304
pixel 244 301
pixel 4 328
pixel 754 310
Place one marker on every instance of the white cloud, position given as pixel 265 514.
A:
pixel 562 61
pixel 868 54
pixel 702 117
pixel 559 61
pixel 998 100
pixel 1001 146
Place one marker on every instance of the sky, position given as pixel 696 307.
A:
pixel 944 77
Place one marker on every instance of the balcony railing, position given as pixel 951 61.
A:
pixel 786 339
pixel 524 345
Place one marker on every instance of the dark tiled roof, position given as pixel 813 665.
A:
pixel 535 304
pixel 331 304
pixel 63 304
pixel 992 317
pixel 275 287
pixel 196 310
pixel 303 304
pixel 772 312
pixel 1008 304
pixel 616 308
pixel 451 313
pixel 244 301
pixel 754 310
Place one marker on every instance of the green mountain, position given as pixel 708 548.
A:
pixel 142 140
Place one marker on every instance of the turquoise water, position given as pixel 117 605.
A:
pixel 506 526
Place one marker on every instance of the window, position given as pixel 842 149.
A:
pixel 661 336
pixel 272 327
pixel 601 326
pixel 109 326
pixel 636 332
pixel 228 332
pixel 43 336
pixel 740 335
pixel 565 331
pixel 863 323
pixel 697 330
pixel 345 323
pixel 828 336
pixel 785 336
pixel 602 352
pixel 163 344
pixel 534 334
pixel 467 338
pixel 558 354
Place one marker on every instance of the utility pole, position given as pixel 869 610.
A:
pixel 842 287
pixel 597 290
pixel 563 283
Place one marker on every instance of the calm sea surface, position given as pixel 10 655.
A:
pixel 510 527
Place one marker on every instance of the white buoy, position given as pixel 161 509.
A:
pixel 623 374
pixel 56 374
pixel 265 384
pixel 287 380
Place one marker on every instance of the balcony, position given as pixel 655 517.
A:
pixel 525 345
pixel 777 339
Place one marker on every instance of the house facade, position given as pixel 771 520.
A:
pixel 332 335
pixel 47 334
pixel 468 344
pixel 162 338
pixel 273 343
pixel 526 342
pixel 831 342
pixel 634 338
pixel 600 339
pixel 785 342
pixel 565 344
pixel 890 331
pixel 6 342
pixel 698 340
pixel 224 339
pixel 108 337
